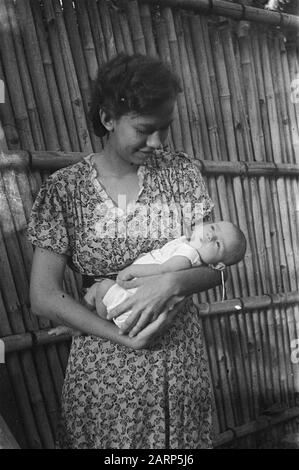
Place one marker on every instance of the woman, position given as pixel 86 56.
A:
pixel 148 387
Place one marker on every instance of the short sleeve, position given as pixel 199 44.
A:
pixel 189 252
pixel 47 227
pixel 197 203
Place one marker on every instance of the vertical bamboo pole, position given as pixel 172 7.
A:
pixel 218 414
pixel 214 88
pixel 175 61
pixel 164 53
pixel 116 28
pixel 294 71
pixel 37 73
pixel 23 250
pixel 228 418
pixel 282 198
pixel 197 35
pixel 146 21
pixel 81 65
pixel 16 316
pixel 19 218
pixel 205 149
pixel 261 94
pixel 233 185
pixel 10 127
pixel 64 140
pixel 133 15
pixel 107 28
pixel 125 30
pixel 16 376
pixel 188 87
pixel 60 74
pixel 282 98
pixel 97 32
pixel 25 78
pixel 3 143
pixel 86 39
pixel 76 98
pixel 13 83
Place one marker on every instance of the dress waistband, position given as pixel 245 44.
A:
pixel 88 281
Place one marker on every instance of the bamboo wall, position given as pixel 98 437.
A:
pixel 236 116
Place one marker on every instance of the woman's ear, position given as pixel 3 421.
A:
pixel 106 119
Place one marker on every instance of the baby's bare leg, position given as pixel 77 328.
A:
pixel 102 287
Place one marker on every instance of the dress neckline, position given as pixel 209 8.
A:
pixel 100 188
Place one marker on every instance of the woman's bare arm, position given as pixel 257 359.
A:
pixel 175 263
pixel 195 280
pixel 49 299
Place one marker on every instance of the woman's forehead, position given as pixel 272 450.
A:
pixel 162 114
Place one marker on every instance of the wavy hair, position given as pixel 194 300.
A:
pixel 131 83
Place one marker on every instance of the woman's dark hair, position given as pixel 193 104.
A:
pixel 131 83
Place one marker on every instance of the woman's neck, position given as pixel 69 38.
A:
pixel 110 163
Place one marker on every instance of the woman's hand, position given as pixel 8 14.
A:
pixel 127 274
pixel 145 338
pixel 153 297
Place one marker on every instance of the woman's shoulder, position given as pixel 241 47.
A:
pixel 177 164
pixel 69 176
pixel 175 159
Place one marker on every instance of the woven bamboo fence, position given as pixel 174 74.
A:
pixel 238 116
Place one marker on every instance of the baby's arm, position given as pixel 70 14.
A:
pixel 175 263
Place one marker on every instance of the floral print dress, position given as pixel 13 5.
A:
pixel 115 397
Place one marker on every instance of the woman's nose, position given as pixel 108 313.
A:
pixel 154 140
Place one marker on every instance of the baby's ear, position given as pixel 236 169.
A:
pixel 218 266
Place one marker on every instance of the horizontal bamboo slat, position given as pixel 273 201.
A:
pixel 14 343
pixel 260 424
pixel 52 161
pixel 233 10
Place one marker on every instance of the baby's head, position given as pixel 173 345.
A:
pixel 220 243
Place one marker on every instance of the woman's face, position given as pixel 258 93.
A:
pixel 135 136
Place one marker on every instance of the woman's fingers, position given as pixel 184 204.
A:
pixel 123 307
pixel 144 319
pixel 130 284
pixel 129 322
pixel 152 328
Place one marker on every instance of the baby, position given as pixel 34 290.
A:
pixel 217 245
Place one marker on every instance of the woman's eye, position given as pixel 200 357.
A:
pixel 141 132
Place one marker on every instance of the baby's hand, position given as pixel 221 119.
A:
pixel 89 300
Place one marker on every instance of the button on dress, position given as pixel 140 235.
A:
pixel 113 396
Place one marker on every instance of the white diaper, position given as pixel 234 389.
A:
pixel 113 297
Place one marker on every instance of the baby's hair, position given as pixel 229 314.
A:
pixel 239 250
pixel 131 83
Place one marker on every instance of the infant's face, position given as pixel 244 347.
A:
pixel 213 241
